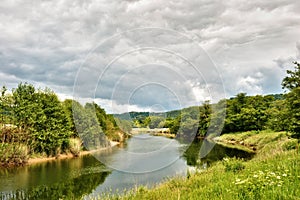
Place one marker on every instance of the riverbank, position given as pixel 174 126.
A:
pixel 135 131
pixel 167 135
pixel 274 173
pixel 69 155
pixel 258 141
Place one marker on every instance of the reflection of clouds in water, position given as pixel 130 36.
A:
pixel 143 154
pixel 128 180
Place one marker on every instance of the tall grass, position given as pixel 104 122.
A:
pixel 273 174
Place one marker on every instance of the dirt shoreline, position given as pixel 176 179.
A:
pixel 69 155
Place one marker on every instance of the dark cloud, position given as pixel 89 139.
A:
pixel 251 42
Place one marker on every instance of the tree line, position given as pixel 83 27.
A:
pixel 35 121
pixel 278 112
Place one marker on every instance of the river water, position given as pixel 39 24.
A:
pixel 143 160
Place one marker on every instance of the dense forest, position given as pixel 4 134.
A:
pixel 35 121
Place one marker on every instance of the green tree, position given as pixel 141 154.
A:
pixel 154 121
pixel 6 103
pixel 68 110
pixel 292 83
pixel 292 80
pixel 204 119
pixel 40 114
pixel 293 104
pixel 278 117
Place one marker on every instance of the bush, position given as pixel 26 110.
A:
pixel 13 154
pixel 233 164
pixel 75 146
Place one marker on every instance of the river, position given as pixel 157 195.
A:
pixel 143 160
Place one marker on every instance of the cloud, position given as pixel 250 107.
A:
pixel 52 43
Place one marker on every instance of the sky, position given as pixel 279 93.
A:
pixel 147 55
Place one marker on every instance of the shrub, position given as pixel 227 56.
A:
pixel 75 146
pixel 13 154
pixel 233 164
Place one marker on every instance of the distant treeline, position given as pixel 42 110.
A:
pixel 35 121
pixel 278 112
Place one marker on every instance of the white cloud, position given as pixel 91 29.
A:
pixel 45 43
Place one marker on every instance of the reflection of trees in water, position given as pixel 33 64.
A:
pixel 193 156
pixel 72 189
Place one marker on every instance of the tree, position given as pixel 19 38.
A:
pixel 204 119
pixel 278 116
pixel 154 121
pixel 292 83
pixel 68 110
pixel 6 102
pixel 40 114
pixel 293 79
pixel 293 104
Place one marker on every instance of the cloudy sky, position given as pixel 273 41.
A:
pixel 149 55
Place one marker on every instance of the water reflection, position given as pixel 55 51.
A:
pixel 195 154
pixel 67 179
pixel 86 177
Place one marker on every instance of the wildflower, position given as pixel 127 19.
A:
pixel 272 173
pixel 284 174
pixel 278 177
pixel 240 182
pixel 279 185
pixel 255 176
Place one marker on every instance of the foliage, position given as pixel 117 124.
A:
pixel 124 125
pixel 278 116
pixel 245 113
pixel 75 146
pixel 88 127
pixel 13 154
pixel 233 164
pixel 40 113
pixel 36 119
pixel 292 80
pixel 293 107
pixel 292 83
pixel 267 176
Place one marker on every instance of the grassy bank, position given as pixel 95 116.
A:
pixel 43 158
pixel 274 173
pixel 167 135
pixel 13 155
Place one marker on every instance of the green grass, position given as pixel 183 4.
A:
pixel 274 173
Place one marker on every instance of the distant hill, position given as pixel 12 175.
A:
pixel 142 115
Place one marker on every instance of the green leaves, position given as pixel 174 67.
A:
pixel 41 114
pixel 293 106
pixel 293 79
pixel 292 82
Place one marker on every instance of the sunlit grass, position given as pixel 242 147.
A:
pixel 274 173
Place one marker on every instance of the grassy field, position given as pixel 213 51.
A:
pixel 274 173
